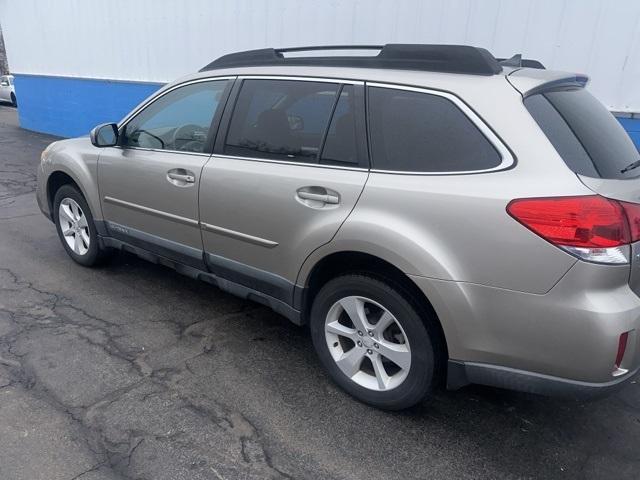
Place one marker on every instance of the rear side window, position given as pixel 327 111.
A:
pixel 281 119
pixel 585 134
pixel 420 132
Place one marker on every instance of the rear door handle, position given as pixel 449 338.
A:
pixel 318 194
pixel 180 177
pixel 319 197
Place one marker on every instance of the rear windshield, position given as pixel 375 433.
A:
pixel 588 138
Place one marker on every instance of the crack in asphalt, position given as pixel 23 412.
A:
pixel 53 314
pixel 14 183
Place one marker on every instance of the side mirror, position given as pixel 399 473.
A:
pixel 4 83
pixel 105 135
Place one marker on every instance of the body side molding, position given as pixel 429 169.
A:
pixel 263 242
pixel 151 211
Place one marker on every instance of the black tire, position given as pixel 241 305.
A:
pixel 421 376
pixel 94 254
pixel 14 101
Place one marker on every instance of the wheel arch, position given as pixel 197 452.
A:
pixel 68 171
pixel 56 180
pixel 351 261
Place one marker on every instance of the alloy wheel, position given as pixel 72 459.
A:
pixel 367 343
pixel 74 226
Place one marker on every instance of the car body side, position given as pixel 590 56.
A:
pixel 510 304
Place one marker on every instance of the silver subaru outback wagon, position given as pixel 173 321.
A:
pixel 432 213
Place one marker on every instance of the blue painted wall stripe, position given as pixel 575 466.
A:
pixel 632 126
pixel 70 107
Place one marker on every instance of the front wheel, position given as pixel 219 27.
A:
pixel 373 342
pixel 76 228
pixel 14 100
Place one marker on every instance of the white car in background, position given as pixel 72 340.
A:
pixel 7 90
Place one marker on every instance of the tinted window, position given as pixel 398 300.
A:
pixel 419 132
pixel 179 120
pixel 340 147
pixel 560 135
pixel 588 138
pixel 280 119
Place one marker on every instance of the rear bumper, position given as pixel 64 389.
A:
pixel 565 340
pixel 464 373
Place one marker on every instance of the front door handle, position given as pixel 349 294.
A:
pixel 180 177
pixel 312 196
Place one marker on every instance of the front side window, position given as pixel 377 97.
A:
pixel 420 132
pixel 179 120
pixel 281 119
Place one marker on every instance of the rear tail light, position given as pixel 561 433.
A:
pixel 591 227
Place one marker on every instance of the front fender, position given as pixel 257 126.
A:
pixel 78 159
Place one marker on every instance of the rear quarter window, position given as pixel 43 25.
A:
pixel 584 133
pixel 421 132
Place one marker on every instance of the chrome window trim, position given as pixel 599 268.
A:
pixel 507 158
pixel 300 78
pixel 181 152
pixel 286 162
pixel 142 106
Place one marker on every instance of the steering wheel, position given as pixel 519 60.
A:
pixel 189 138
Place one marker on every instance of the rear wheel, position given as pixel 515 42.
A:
pixel 76 228
pixel 373 342
pixel 14 100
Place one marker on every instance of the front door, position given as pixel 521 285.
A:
pixel 288 173
pixel 149 183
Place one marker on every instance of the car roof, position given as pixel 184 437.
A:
pixel 443 81
pixel 444 67
pixel 435 58
pixel 523 79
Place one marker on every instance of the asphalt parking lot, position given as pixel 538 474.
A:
pixel 132 371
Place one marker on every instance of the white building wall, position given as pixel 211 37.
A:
pixel 159 40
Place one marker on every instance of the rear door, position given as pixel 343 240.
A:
pixel 286 172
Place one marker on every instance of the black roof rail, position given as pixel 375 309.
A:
pixel 432 58
pixel 517 61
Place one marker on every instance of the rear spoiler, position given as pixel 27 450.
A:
pixel 531 81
